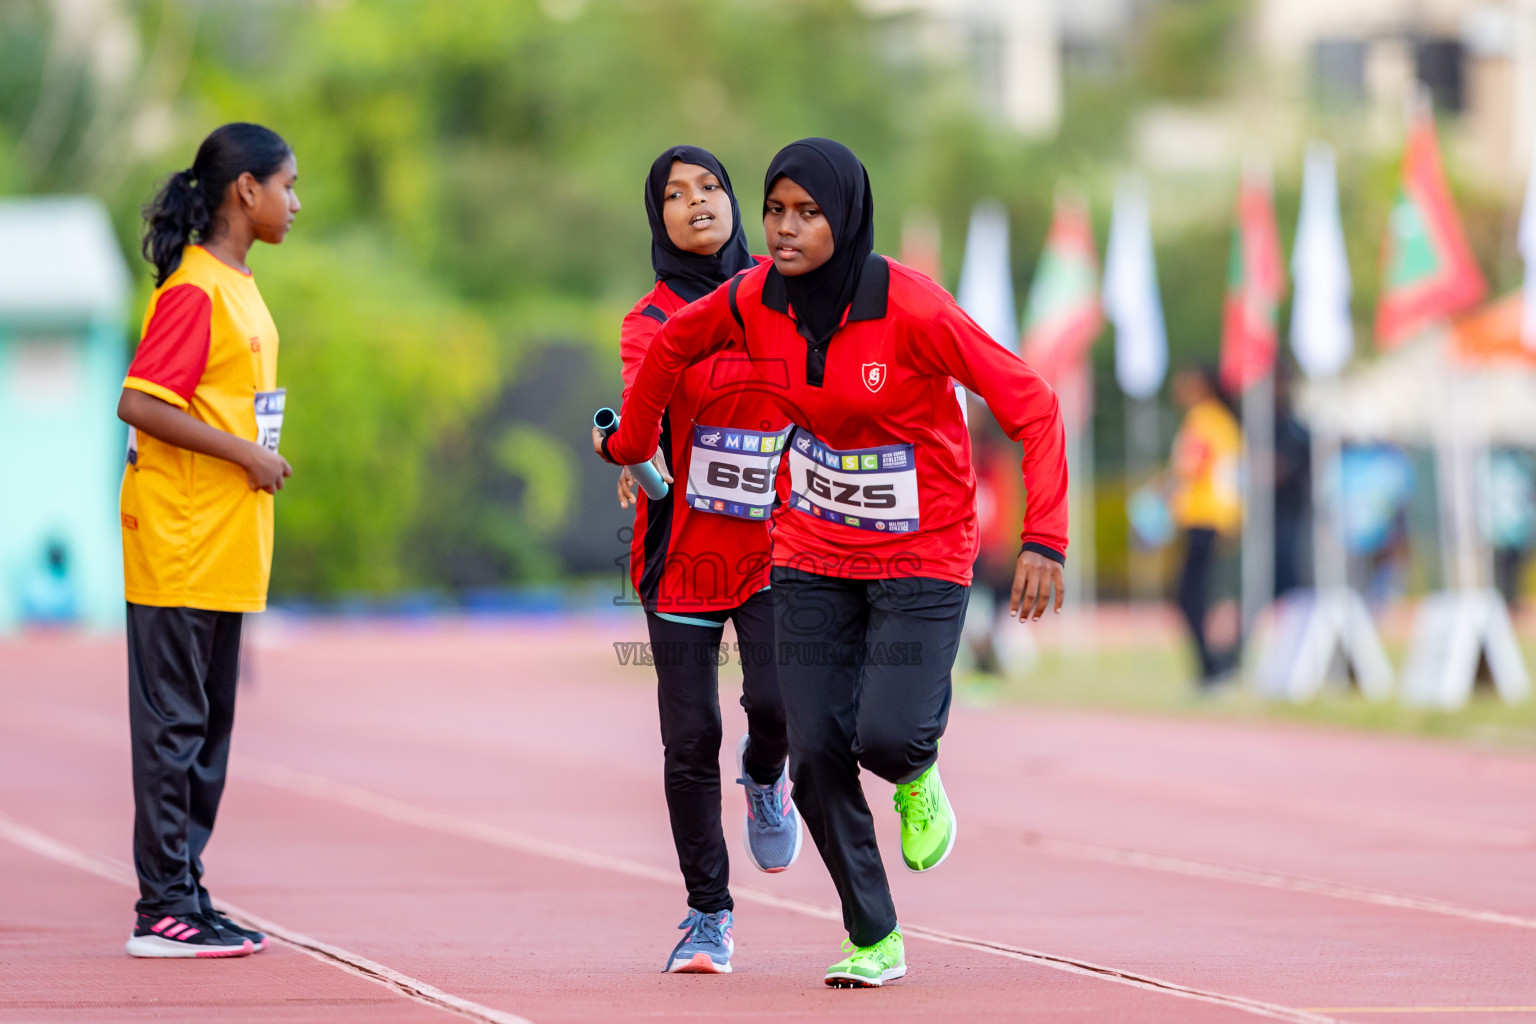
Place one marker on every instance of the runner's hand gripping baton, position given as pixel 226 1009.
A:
pixel 645 474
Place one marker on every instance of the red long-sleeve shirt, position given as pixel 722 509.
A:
pixel 880 463
pixel 685 558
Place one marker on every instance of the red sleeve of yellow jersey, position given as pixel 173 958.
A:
pixel 691 334
pixel 1026 407
pixel 174 350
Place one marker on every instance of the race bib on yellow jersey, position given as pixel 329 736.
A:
pixel 731 472
pixel 269 417
pixel 269 423
pixel 865 488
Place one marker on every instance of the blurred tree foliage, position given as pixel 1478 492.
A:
pixel 473 228
pixel 1186 48
pixel 382 366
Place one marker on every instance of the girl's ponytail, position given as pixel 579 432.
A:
pixel 178 212
pixel 185 208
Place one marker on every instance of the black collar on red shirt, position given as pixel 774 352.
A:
pixel 870 300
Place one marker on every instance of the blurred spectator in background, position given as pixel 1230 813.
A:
pixel 48 593
pixel 1509 519
pixel 1375 486
pixel 1293 490
pixel 1203 493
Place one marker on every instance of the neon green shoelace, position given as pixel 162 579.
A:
pixel 920 800
pixel 876 952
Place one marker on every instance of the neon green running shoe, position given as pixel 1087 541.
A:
pixel 927 822
pixel 870 966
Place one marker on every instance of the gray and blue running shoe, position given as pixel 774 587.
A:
pixel 706 947
pixel 772 829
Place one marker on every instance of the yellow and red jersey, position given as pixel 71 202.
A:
pixel 1206 452
pixel 194 532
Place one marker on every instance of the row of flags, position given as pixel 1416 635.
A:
pixel 1428 274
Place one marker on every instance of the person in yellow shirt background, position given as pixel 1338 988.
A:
pixel 205 417
pixel 1206 502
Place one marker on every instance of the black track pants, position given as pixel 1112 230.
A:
pixel 864 666
pixel 183 664
pixel 688 696
pixel 1194 595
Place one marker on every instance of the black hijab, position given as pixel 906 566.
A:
pixel 838 182
pixel 689 274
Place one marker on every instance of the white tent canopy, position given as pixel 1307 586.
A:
pixel 1400 397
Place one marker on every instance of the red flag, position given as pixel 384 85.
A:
pixel 1427 268
pixel 1250 328
pixel 1064 317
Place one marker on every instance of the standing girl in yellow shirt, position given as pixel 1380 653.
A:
pixel 204 415
pixel 1206 501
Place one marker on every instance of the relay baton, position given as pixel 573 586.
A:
pixel 650 481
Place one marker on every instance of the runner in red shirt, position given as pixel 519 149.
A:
pixel 700 557
pixel 873 552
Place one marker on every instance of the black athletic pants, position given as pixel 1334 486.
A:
pixel 182 667
pixel 688 696
pixel 864 666
pixel 1194 597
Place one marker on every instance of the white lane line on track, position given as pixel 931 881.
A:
pixel 1230 797
pixel 359 798
pixel 1430 1009
pixel 107 731
pixel 102 729
pixel 60 852
pixel 1124 857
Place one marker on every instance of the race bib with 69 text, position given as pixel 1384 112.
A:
pixel 866 488
pixel 731 472
pixel 269 417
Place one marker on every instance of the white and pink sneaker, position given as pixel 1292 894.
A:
pixel 189 935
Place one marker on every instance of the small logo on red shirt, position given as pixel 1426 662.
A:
pixel 874 375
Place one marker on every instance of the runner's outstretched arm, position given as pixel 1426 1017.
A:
pixel 692 334
pixel 635 339
pixel 1027 409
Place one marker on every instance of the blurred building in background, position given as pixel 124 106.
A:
pixel 1363 58
pixel 1477 58
pixel 63 296
pixel 1014 49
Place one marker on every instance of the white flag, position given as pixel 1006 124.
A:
pixel 1528 255
pixel 1131 299
pixel 1322 333
pixel 986 276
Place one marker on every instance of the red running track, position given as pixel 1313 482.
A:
pixel 466 821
